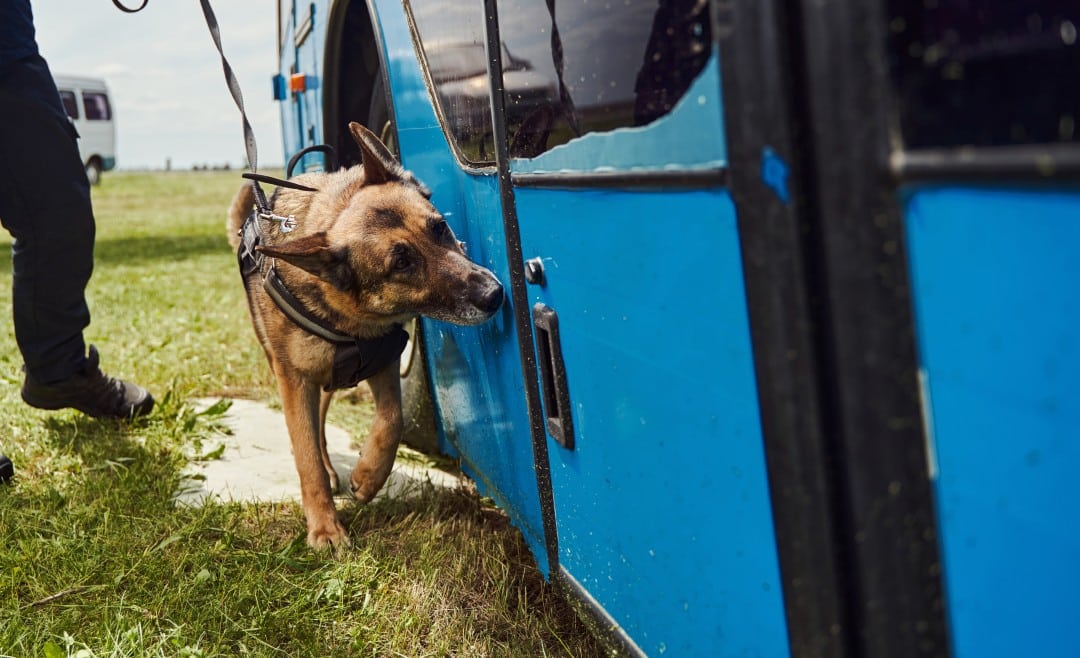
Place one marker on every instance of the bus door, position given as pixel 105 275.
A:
pixel 905 179
pixel 987 172
pixel 301 33
pixel 633 288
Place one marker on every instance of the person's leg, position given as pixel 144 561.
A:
pixel 45 205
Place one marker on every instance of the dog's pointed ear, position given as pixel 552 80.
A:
pixel 380 165
pixel 313 254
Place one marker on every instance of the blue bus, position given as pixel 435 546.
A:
pixel 790 363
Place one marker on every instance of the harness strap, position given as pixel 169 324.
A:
pixel 278 182
pixel 355 359
pixel 294 308
pixel 328 153
pixel 250 260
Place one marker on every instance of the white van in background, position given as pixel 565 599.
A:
pixel 87 103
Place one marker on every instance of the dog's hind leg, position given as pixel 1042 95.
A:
pixel 324 405
pixel 300 400
pixel 371 470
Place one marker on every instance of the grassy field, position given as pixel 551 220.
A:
pixel 96 560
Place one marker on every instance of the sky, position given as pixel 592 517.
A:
pixel 165 77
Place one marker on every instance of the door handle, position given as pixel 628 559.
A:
pixel 556 396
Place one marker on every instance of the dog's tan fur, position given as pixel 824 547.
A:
pixel 369 251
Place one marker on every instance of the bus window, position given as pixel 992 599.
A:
pixel 451 35
pixel 97 106
pixel 986 73
pixel 70 106
pixel 576 67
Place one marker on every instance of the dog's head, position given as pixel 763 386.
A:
pixel 390 251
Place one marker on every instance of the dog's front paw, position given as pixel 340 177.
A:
pixel 364 484
pixel 329 536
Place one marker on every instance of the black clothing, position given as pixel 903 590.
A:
pixel 44 204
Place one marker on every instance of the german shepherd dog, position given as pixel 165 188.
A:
pixel 369 252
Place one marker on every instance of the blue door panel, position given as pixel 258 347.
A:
pixel 995 281
pixel 476 374
pixel 662 507
pixel 291 138
pixel 301 112
pixel 309 55
pixel 475 371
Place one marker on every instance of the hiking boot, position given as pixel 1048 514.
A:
pixel 91 392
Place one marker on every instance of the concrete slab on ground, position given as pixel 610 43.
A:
pixel 257 464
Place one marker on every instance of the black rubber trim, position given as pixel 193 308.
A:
pixel 870 393
pixel 518 294
pixel 606 629
pixel 1040 163
pixel 661 179
pixel 782 272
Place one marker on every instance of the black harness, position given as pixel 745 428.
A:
pixel 355 359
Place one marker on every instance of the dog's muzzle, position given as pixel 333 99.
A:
pixel 485 292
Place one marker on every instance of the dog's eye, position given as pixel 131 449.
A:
pixel 401 263
pixel 401 258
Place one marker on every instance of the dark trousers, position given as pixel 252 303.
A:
pixel 45 205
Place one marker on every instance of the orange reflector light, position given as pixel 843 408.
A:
pixel 297 82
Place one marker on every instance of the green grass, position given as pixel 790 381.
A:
pixel 96 560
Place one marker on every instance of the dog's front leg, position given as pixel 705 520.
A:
pixel 377 458
pixel 300 402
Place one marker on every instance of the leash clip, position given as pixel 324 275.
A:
pixel 286 224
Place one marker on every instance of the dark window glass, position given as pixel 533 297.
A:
pixel 97 106
pixel 579 66
pixel 452 38
pixel 986 72
pixel 70 105
pixel 576 67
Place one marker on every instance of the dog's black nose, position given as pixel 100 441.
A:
pixel 488 298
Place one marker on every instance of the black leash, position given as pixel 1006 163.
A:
pixel 130 10
pixel 238 98
pixel 249 134
pixel 263 211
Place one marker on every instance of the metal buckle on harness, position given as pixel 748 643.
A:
pixel 285 224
